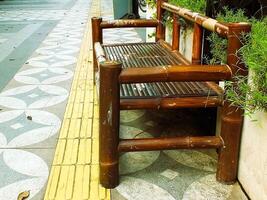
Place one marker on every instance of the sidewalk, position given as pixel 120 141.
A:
pixel 39 43
pixel 75 170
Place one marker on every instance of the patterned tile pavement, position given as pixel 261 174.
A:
pixel 35 5
pixel 18 40
pixel 32 104
pixel 75 170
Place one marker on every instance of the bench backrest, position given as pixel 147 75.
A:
pixel 231 31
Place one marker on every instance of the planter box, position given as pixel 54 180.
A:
pixel 253 156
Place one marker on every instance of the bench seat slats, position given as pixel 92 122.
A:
pixel 171 89
pixel 153 54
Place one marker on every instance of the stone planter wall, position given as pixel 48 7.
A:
pixel 253 157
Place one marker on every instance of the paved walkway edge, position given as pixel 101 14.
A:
pixel 75 170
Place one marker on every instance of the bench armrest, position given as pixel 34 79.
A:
pixel 176 73
pixel 99 53
pixel 126 23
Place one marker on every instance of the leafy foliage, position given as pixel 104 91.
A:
pixel 151 3
pixel 218 45
pixel 196 5
pixel 250 95
pixel 254 54
pixel 231 16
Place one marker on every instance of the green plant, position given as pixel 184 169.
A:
pixel 228 16
pixel 251 95
pixel 218 45
pixel 151 3
pixel 254 54
pixel 196 5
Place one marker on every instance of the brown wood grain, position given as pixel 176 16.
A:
pixel 126 23
pixel 99 53
pixel 232 116
pixel 97 36
pixel 175 73
pixel 197 44
pixel 160 30
pixel 170 103
pixel 109 119
pixel 206 22
pixel 175 33
pixel 169 143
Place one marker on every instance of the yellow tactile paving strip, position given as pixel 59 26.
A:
pixel 75 171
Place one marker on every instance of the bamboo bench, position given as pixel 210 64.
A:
pixel 157 76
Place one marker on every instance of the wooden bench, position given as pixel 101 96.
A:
pixel 156 76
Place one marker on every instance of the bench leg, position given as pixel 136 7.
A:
pixel 232 117
pixel 231 127
pixel 109 123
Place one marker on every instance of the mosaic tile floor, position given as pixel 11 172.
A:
pixel 40 42
pixel 75 169
pixel 35 4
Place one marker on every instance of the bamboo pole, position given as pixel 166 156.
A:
pixel 170 103
pixel 182 142
pixel 129 23
pixel 109 105
pixel 206 22
pixel 99 53
pixel 197 44
pixel 232 117
pixel 176 33
pixel 97 36
pixel 160 30
pixel 171 73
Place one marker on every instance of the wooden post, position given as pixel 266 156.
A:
pixel 176 33
pixel 96 37
pixel 160 30
pixel 197 44
pixel 232 117
pixel 109 105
